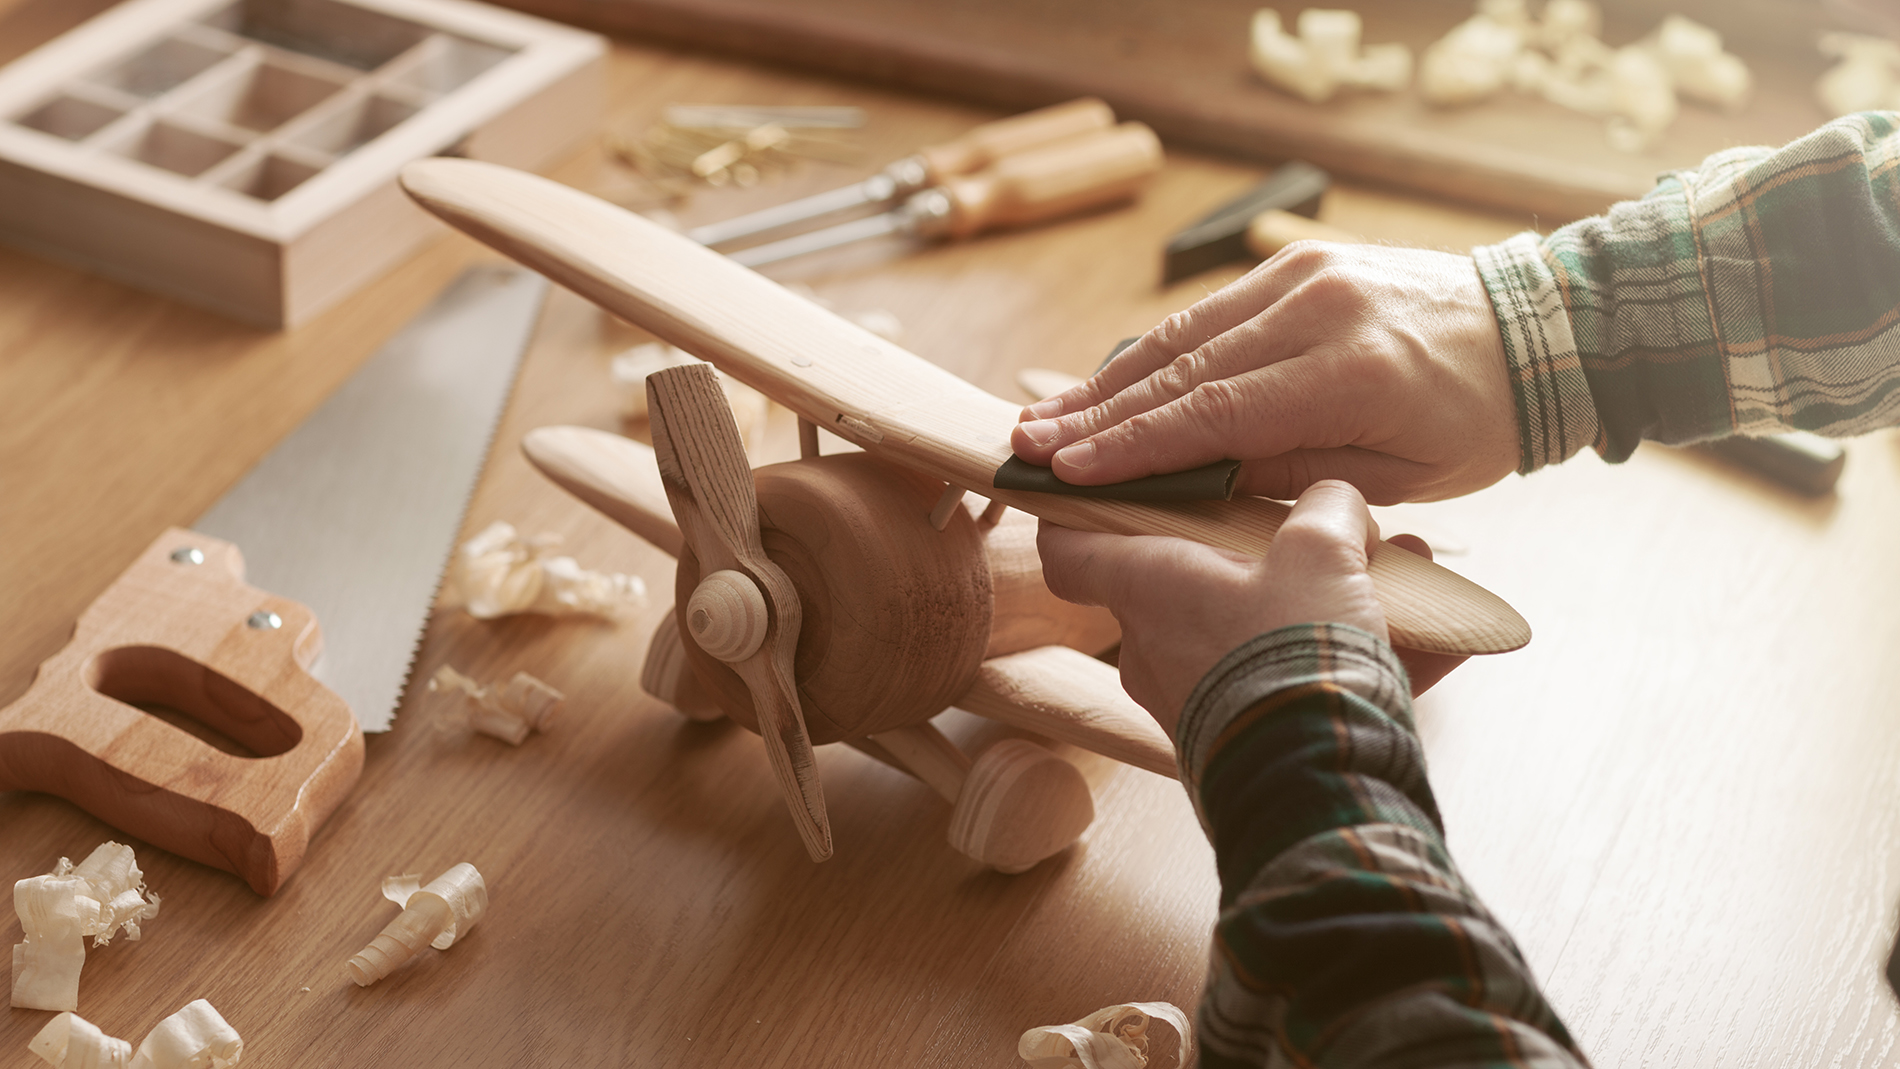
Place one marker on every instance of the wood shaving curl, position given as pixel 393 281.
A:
pixel 100 897
pixel 1325 56
pixel 1865 76
pixel 1114 1037
pixel 500 573
pixel 461 887
pixel 196 1037
pixel 507 713
pixel 1560 58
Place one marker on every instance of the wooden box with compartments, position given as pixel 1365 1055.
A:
pixel 241 155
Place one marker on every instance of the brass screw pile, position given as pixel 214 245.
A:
pixel 673 156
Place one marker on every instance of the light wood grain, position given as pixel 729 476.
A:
pixel 612 473
pixel 895 615
pixel 667 675
pixel 182 630
pixel 926 753
pixel 1676 799
pixel 1027 615
pixel 872 392
pixel 1068 696
pixel 1019 805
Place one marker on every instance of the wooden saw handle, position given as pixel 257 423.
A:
pixel 175 630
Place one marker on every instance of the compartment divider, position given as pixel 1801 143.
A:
pixel 237 161
pixel 103 95
pixel 302 154
pixel 313 66
pixel 211 128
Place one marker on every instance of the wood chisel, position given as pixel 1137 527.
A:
pixel 925 169
pixel 349 521
pixel 1070 176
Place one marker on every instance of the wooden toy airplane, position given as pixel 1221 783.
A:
pixel 851 597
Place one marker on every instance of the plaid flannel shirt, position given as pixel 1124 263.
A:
pixel 1346 936
pixel 1758 293
pixel 1753 295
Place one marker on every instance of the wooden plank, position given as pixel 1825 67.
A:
pixel 1182 69
pixel 1650 796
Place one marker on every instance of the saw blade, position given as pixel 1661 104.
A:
pixel 354 514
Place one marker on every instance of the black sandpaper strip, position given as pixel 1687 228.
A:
pixel 1213 482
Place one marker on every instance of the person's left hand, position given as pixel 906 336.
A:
pixel 1183 605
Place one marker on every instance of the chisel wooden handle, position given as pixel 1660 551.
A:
pixel 1069 176
pixel 180 628
pixel 992 141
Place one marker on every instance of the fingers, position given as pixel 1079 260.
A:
pixel 1090 568
pixel 1182 332
pixel 1078 565
pixel 1316 566
pixel 1327 533
pixel 1310 403
pixel 1244 326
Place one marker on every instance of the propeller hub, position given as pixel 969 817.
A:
pixel 895 615
pixel 727 616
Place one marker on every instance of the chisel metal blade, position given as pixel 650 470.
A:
pixel 355 513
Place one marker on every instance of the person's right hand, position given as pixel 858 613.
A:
pixel 1380 366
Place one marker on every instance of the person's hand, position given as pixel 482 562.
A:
pixel 1183 605
pixel 1377 365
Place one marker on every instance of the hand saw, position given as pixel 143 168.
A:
pixel 347 521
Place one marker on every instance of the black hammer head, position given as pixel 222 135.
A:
pixel 1221 237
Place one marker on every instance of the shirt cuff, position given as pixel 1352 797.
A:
pixel 1340 654
pixel 1556 415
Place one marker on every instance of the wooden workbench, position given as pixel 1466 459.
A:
pixel 1683 797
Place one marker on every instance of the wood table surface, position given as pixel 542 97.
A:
pixel 1683 796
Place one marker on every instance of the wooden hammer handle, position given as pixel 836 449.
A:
pixel 1275 229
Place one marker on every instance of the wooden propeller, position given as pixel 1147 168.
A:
pixel 895 405
pixel 708 483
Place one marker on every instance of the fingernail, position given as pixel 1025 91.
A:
pixel 1048 408
pixel 1041 431
pixel 1078 456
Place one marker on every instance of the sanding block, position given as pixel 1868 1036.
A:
pixel 1211 482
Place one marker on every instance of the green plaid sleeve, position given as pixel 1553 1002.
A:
pixel 1346 936
pixel 1758 293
